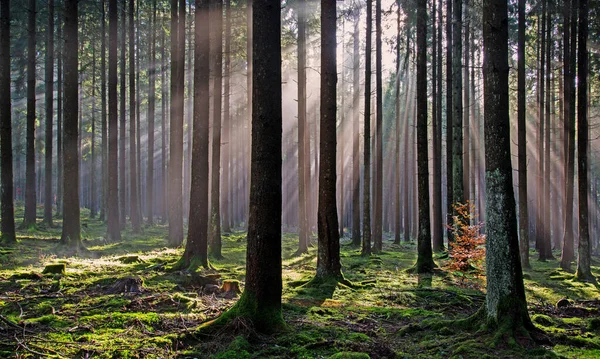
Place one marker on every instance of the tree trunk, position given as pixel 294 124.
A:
pixel 449 122
pixel 49 114
pixel 225 158
pixel 122 128
pixel 71 230
pixel 215 216
pixel 328 258
pixel 7 209
pixel 355 131
pixel 522 142
pixel 548 114
pixel 425 258
pixel 151 118
pixel 30 201
pixel 366 243
pixel 93 209
pixel 505 298
pixel 303 167
pixel 176 127
pixel 377 234
pixel 466 106
pixel 397 216
pixel 457 114
pixel 437 238
pixel 59 120
pixel 163 130
pixel 104 124
pixel 584 259
pixel 134 210
pixel 112 205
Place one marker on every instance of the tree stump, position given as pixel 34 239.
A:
pixel 231 286
pixel 126 285
pixel 58 268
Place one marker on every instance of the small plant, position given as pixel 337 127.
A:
pixel 467 250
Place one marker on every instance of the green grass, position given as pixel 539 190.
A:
pixel 74 315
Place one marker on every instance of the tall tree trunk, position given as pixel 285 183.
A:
pixel 437 238
pixel 261 300
pixel 366 243
pixel 355 131
pixel 59 120
pixel 151 118
pixel 303 166
pixel 570 37
pixel 540 222
pixel 30 201
pixel 112 204
pixel 397 215
pixel 425 257
pixel 71 230
pixel 522 142
pixel 176 127
pixel 584 259
pixel 505 297
pixel 548 114
pixel 215 216
pixel 225 158
pixel 134 212
pixel 328 257
pixel 122 128
pixel 466 107
pixel 93 209
pixel 163 130
pixel 449 122
pixel 377 234
pixel 49 114
pixel 457 114
pixel 7 210
pixel 104 124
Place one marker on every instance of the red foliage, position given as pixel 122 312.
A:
pixel 467 251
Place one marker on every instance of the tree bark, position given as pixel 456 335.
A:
pixel 458 194
pixel 366 242
pixel 30 200
pixel 112 205
pixel 505 298
pixel 449 122
pixel 71 230
pixel 151 118
pixel 6 191
pixel 134 209
pixel 225 158
pixel 303 166
pixel 377 231
pixel 355 131
pixel 437 238
pixel 49 114
pixel 104 124
pixel 122 128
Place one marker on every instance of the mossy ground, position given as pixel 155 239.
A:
pixel 73 315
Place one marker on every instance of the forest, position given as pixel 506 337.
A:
pixel 333 179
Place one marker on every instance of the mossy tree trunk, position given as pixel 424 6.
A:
pixel 196 249
pixel 522 142
pixel 424 259
pixel 71 229
pixel 583 262
pixel 328 258
pixel 261 299
pixel 7 209
pixel 505 298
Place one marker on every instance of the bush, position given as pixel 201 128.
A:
pixel 467 250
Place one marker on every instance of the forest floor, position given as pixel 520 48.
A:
pixel 121 300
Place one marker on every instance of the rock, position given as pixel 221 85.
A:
pixel 564 302
pixel 58 268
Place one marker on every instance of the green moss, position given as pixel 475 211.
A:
pixel 350 355
pixel 58 268
pixel 238 348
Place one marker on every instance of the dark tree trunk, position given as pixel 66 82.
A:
pixel 378 200
pixel 303 139
pixel 522 143
pixel 366 243
pixel 176 127
pixel 163 130
pixel 215 208
pixel 570 37
pixel 71 230
pixel 93 209
pixel 225 158
pixel 59 120
pixel 151 118
pixel 328 258
pixel 104 124
pixel 49 114
pixel 449 122
pixel 466 106
pixel 584 259
pixel 261 300
pixel 505 298
pixel 134 210
pixel 7 209
pixel 30 201
pixel 425 258
pixel 547 170
pixel 397 215
pixel 355 132
pixel 122 128
pixel 437 236
pixel 457 114
pixel 112 205
pixel 196 249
